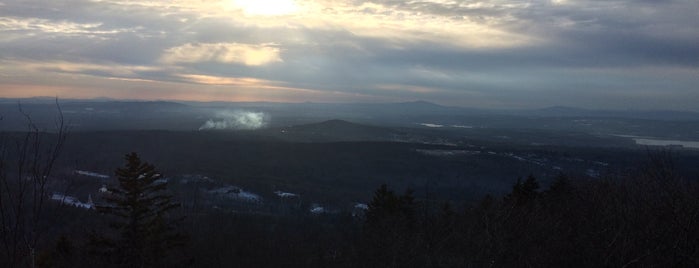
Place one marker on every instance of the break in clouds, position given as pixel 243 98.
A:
pixel 237 120
pixel 496 54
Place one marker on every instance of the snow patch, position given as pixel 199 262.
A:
pixel 91 174
pixel 236 193
pixel 592 173
pixel 317 209
pixel 437 152
pixel 285 194
pixel 104 189
pixel 361 206
pixel 604 164
pixel 516 157
pixel 72 201
pixel 195 179
pixel 431 125
pixel 461 126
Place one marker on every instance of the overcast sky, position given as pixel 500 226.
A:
pixel 641 54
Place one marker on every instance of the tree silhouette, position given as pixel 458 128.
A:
pixel 390 229
pixel 523 193
pixel 140 206
pixel 26 169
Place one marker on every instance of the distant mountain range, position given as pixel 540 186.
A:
pixel 397 108
pixel 107 114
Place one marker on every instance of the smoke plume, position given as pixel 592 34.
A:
pixel 236 120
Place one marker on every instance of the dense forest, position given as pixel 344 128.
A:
pixel 644 219
pixel 334 195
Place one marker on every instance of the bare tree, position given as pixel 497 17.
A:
pixel 26 161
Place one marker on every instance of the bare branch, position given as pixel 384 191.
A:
pixel 23 190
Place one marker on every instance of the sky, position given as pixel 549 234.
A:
pixel 618 54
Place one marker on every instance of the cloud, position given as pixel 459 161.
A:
pixel 237 120
pixel 228 81
pixel 250 55
pixel 482 52
pixel 106 69
pixel 15 24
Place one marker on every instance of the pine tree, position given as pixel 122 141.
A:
pixel 390 229
pixel 523 193
pixel 140 205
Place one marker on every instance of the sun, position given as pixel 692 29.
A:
pixel 266 7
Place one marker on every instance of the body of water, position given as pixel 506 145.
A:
pixel 659 142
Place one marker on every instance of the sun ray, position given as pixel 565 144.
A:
pixel 265 7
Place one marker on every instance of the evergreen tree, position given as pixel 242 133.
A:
pixel 559 194
pixel 520 234
pixel 386 206
pixel 390 229
pixel 140 205
pixel 523 193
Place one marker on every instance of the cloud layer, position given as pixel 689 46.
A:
pixel 487 53
pixel 250 55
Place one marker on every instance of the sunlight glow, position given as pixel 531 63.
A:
pixel 266 7
pixel 250 55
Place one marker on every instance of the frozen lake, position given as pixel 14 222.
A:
pixel 659 142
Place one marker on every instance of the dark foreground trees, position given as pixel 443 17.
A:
pixel 26 169
pixel 140 209
pixel 389 236
pixel 645 219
